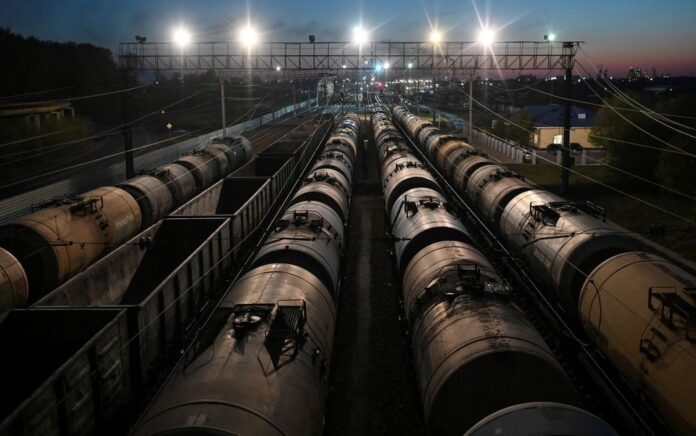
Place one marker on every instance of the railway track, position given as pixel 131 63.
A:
pixel 372 386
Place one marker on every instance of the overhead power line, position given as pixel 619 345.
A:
pixel 624 118
pixel 589 103
pixel 587 177
pixel 655 116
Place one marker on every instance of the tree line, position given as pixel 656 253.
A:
pixel 644 144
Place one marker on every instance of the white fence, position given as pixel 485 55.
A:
pixel 482 139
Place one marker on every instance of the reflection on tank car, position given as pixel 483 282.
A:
pixel 309 235
pixel 178 180
pixel 322 190
pixel 57 242
pixel 154 199
pixel 637 307
pixel 404 174
pixel 561 244
pixel 338 161
pixel 420 218
pixel 234 386
pixel 492 187
pixel 640 310
pixel 265 372
pixel 203 167
pixel 474 352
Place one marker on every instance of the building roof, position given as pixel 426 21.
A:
pixel 551 115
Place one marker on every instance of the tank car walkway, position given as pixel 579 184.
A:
pixel 372 386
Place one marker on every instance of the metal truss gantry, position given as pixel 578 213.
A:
pixel 332 57
pixel 412 59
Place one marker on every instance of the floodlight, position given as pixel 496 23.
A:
pixel 248 36
pixel 360 35
pixel 486 36
pixel 181 37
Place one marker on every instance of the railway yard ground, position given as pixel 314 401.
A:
pixel 631 214
pixel 372 385
pixel 376 367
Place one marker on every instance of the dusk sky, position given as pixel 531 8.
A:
pixel 618 33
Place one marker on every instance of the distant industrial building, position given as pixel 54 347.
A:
pixel 37 112
pixel 326 86
pixel 548 126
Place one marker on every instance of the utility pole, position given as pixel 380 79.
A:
pixel 471 105
pixel 294 104
pixel 126 129
pixel 222 105
pixel 472 74
pixel 568 60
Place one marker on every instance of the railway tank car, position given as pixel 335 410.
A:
pixel 474 352
pixel 14 285
pixel 65 236
pixel 265 371
pixel 154 199
pixel 560 243
pixel 640 310
pixel 558 240
pixel 636 307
